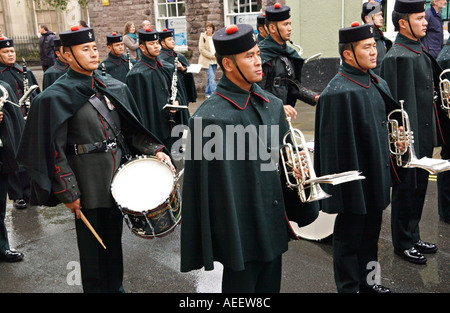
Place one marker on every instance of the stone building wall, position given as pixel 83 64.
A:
pixel 106 19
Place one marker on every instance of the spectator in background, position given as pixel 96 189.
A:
pixel 46 47
pixel 434 39
pixel 82 24
pixel 130 39
pixel 208 58
pixel 146 24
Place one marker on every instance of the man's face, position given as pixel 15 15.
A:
pixel 169 42
pixel 8 56
pixel 87 56
pixel 249 63
pixel 418 25
pixel 441 4
pixel 366 54
pixel 116 48
pixel 377 19
pixel 150 48
pixel 285 29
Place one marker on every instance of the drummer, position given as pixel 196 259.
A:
pixel 351 134
pixel 78 122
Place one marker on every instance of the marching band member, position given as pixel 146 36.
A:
pixel 11 128
pixel 413 75
pixel 238 222
pixel 13 74
pixel 150 81
pixel 351 134
pixel 60 68
pixel 372 14
pixel 282 65
pixel 117 63
pixel 78 131
pixel 443 179
pixel 261 27
pixel 168 54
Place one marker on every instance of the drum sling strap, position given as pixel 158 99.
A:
pixel 104 112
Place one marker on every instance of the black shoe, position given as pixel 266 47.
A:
pixel 20 204
pixel 376 289
pixel 412 255
pixel 11 256
pixel 425 247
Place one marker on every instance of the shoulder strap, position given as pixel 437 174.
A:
pixel 104 112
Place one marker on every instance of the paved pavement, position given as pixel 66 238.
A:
pixel 47 237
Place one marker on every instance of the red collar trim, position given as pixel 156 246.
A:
pixel 100 82
pixel 235 102
pixel 156 64
pixel 408 48
pixel 367 87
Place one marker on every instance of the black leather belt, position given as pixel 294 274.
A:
pixel 96 147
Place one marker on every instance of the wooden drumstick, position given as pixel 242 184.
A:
pixel 84 219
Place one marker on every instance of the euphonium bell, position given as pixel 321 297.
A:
pixel 291 158
pixel 444 87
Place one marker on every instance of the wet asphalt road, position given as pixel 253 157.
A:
pixel 46 235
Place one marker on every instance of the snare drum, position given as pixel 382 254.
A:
pixel 147 193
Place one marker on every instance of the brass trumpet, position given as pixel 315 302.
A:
pixel 292 158
pixel 444 88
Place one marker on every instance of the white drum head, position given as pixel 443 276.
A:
pixel 142 184
pixel 320 229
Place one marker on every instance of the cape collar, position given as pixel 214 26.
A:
pixel 153 64
pixel 356 76
pixel 88 81
pixel 116 60
pixel 170 53
pixel 16 66
pixel 60 65
pixel 412 45
pixel 238 96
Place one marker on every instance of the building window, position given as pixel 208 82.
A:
pixel 242 11
pixel 171 14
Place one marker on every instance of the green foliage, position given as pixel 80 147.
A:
pixel 59 4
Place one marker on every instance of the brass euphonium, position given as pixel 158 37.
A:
pixel 406 136
pixel 292 158
pixel 444 88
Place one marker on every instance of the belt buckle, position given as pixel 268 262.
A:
pixel 276 81
pixel 111 145
pixel 75 149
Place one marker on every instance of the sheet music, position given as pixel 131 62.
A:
pixel 194 68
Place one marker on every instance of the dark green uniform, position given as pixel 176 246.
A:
pixel 282 67
pixel 11 128
pixel 54 72
pixel 412 75
pixel 150 83
pixel 443 179
pixel 61 126
pixel 117 67
pixel 14 76
pixel 187 79
pixel 351 134
pixel 233 202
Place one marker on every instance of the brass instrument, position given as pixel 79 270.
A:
pixel 444 87
pixel 406 136
pixel 292 158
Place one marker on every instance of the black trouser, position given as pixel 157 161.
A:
pixel 443 184
pixel 257 277
pixel 101 270
pixel 4 243
pixel 355 244
pixel 406 211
